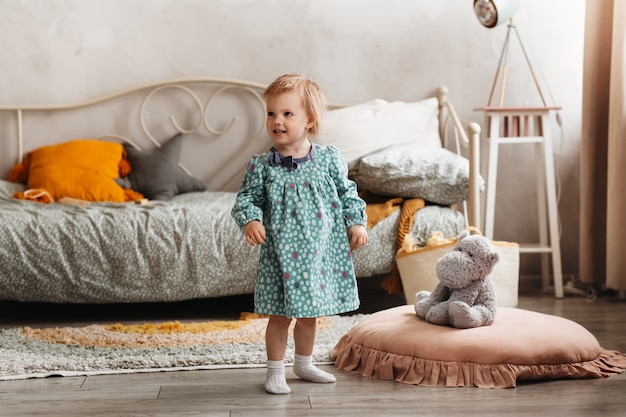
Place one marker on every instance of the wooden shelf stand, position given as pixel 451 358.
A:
pixel 519 125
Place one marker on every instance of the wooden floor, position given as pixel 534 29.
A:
pixel 240 392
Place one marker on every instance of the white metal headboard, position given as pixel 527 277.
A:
pixel 200 95
pixel 199 107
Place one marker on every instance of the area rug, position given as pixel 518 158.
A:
pixel 151 347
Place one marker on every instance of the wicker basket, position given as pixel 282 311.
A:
pixel 418 272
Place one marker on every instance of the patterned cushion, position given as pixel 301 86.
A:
pixel 415 170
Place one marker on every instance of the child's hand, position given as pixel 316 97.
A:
pixel 255 233
pixel 357 235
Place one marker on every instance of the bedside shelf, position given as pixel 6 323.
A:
pixel 519 125
pixel 534 248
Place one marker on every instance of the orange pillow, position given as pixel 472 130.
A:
pixel 85 169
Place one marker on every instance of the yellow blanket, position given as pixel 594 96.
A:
pixel 377 211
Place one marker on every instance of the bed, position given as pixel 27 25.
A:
pixel 175 153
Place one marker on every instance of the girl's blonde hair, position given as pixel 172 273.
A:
pixel 313 99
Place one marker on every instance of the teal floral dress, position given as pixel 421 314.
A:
pixel 306 206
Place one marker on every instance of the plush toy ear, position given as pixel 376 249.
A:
pixel 495 257
pixel 464 234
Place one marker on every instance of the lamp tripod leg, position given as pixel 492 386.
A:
pixel 501 66
pixel 530 67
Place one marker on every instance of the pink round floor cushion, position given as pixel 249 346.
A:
pixel 520 345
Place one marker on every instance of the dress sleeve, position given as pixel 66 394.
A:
pixel 352 205
pixel 250 199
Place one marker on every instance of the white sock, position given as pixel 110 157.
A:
pixel 304 368
pixel 275 381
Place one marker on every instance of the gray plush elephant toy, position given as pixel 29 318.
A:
pixel 464 297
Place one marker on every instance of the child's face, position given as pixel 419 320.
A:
pixel 287 122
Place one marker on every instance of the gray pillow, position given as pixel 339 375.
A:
pixel 8 188
pixel 156 174
pixel 412 170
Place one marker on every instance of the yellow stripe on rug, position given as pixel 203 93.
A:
pixel 176 327
pixel 166 334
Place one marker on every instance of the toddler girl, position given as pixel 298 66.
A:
pixel 298 203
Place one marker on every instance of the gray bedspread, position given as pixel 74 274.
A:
pixel 182 249
pixel 106 252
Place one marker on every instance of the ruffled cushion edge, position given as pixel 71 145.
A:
pixel 353 357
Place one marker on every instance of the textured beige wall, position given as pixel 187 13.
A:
pixel 69 50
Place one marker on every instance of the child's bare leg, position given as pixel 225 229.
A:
pixel 304 337
pixel 276 335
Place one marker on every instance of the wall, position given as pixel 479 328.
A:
pixel 70 50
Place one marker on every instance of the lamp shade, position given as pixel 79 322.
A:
pixel 491 13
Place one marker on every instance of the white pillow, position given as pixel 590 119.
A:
pixel 364 128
